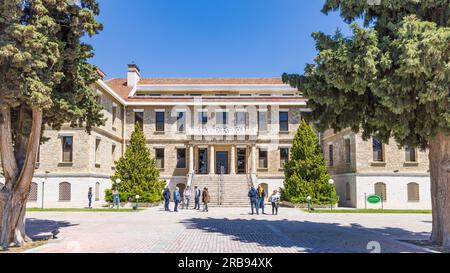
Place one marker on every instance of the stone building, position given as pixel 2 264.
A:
pixel 363 168
pixel 222 133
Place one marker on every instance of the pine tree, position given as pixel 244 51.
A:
pixel 45 81
pixel 306 171
pixel 390 78
pixel 137 172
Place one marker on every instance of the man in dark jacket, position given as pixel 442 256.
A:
pixel 166 194
pixel 197 194
pixel 253 195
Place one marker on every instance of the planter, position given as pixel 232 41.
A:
pixel 133 204
pixel 287 204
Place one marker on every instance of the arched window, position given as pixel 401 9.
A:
pixel 347 191
pixel 97 191
pixel 413 192
pixel 64 191
pixel 33 192
pixel 380 190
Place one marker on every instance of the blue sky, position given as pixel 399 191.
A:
pixel 210 38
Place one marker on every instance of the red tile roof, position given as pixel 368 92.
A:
pixel 211 81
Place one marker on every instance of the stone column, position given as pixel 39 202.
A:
pixel 191 159
pixel 212 165
pixel 233 160
pixel 253 156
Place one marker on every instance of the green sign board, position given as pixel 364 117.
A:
pixel 373 199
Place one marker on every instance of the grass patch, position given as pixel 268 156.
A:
pixel 400 211
pixel 80 210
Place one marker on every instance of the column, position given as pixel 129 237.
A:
pixel 212 165
pixel 191 159
pixel 233 160
pixel 253 155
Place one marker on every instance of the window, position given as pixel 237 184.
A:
pixel 67 143
pixel 97 151
pixel 241 119
pixel 64 191
pixel 245 95
pixel 413 192
pixel 378 153
pixel 139 119
pixel 97 191
pixel 330 154
pixel 262 121
pixel 181 121
pixel 222 118
pixel 33 195
pixel 181 158
pixel 98 99
pixel 262 159
pixel 410 153
pixel 159 156
pixel 113 153
pixel 114 114
pixel 160 121
pixel 284 121
pixel 202 118
pixel 284 156
pixel 288 95
pixel 380 190
pixel 347 191
pixel 348 151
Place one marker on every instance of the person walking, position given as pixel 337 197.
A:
pixel 176 198
pixel 261 198
pixel 90 197
pixel 116 198
pixel 253 194
pixel 275 201
pixel 187 196
pixel 205 199
pixel 197 194
pixel 166 195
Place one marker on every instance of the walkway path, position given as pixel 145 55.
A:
pixel 226 230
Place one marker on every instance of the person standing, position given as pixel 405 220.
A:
pixel 187 196
pixel 166 195
pixel 197 194
pixel 90 197
pixel 116 198
pixel 275 200
pixel 261 198
pixel 205 199
pixel 253 194
pixel 176 198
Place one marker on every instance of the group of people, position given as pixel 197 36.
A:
pixel 258 198
pixel 186 198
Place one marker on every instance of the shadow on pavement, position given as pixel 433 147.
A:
pixel 41 229
pixel 308 236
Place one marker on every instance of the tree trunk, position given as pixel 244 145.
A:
pixel 14 195
pixel 439 156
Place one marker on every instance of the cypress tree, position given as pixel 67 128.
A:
pixel 137 172
pixel 306 171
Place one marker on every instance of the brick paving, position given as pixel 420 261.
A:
pixel 226 230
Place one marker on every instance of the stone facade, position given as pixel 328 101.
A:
pixel 356 172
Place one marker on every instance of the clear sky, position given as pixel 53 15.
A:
pixel 210 38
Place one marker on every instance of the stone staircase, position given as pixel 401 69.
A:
pixel 234 189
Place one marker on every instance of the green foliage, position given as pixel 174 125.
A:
pixel 306 172
pixel 391 78
pixel 43 63
pixel 137 172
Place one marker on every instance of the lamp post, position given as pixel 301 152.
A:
pixel 43 180
pixel 331 182
pixel 309 203
pixel 137 201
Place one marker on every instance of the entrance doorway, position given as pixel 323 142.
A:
pixel 221 162
pixel 241 161
pixel 202 161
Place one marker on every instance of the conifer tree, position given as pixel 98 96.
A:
pixel 306 171
pixel 137 172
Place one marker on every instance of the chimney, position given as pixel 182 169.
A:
pixel 133 75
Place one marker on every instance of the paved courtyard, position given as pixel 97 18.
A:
pixel 224 230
